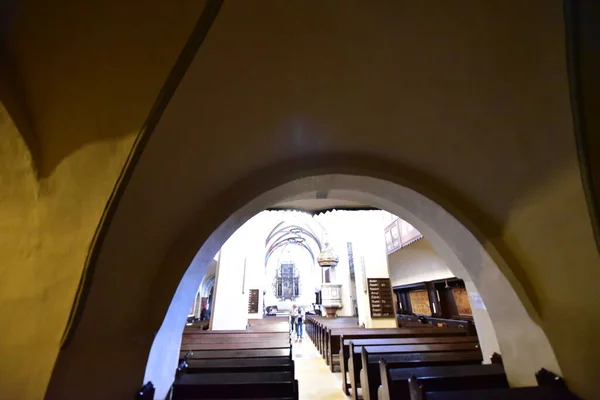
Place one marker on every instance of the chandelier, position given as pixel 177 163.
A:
pixel 327 257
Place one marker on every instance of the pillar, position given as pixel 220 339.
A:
pixel 370 261
pixel 483 323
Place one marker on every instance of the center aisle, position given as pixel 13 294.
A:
pixel 315 380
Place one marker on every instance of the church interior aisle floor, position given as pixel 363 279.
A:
pixel 315 380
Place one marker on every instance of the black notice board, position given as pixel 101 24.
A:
pixel 253 301
pixel 381 299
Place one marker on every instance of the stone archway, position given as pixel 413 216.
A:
pixel 523 343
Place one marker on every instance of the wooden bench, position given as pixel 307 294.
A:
pixel 423 356
pixel 224 365
pixel 551 387
pixel 235 365
pixel 357 344
pixel 523 393
pixel 334 345
pixel 247 353
pixel 244 385
pixel 265 344
pixel 394 381
pixel 316 327
pixel 241 340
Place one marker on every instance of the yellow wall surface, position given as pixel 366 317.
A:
pixel 468 105
pixel 79 79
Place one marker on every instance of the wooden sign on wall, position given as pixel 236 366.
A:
pixel 419 301
pixel 461 298
pixel 381 299
pixel 253 301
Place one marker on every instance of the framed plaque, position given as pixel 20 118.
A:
pixel 381 299
pixel 253 301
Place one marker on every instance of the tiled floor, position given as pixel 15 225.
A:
pixel 315 380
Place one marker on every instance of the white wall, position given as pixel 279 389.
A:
pixel 309 274
pixel 241 267
pixel 417 262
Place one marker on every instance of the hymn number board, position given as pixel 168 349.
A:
pixel 253 301
pixel 381 299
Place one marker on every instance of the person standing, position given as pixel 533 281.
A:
pixel 292 318
pixel 300 322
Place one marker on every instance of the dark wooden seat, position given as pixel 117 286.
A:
pixel 316 327
pixel 236 385
pixel 236 364
pixel 208 366
pixel 370 357
pixel 551 387
pixel 235 344
pixel 246 353
pixel 270 344
pixel 333 344
pixel 394 381
pixel 522 393
pixel 357 345
pixel 525 393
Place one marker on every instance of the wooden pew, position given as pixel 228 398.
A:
pixel 281 326
pixel 394 381
pixel 224 365
pixel 318 327
pixel 237 344
pixel 247 353
pixel 236 364
pixel 245 385
pixel 422 356
pixel 521 393
pixel 246 336
pixel 334 345
pixel 357 344
pixel 271 344
pixel 551 387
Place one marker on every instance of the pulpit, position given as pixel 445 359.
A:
pixel 331 297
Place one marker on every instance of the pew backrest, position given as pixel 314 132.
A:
pixel 394 381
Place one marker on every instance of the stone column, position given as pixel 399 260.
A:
pixel 370 261
pixel 230 311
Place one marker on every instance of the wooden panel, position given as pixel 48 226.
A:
pixel 419 300
pixel 253 301
pixel 381 299
pixel 462 301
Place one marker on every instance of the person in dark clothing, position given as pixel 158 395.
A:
pixel 300 322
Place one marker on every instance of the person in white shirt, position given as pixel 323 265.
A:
pixel 300 322
pixel 293 312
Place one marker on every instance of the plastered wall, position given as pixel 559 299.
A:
pixel 417 262
pixel 469 106
pixel 80 93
